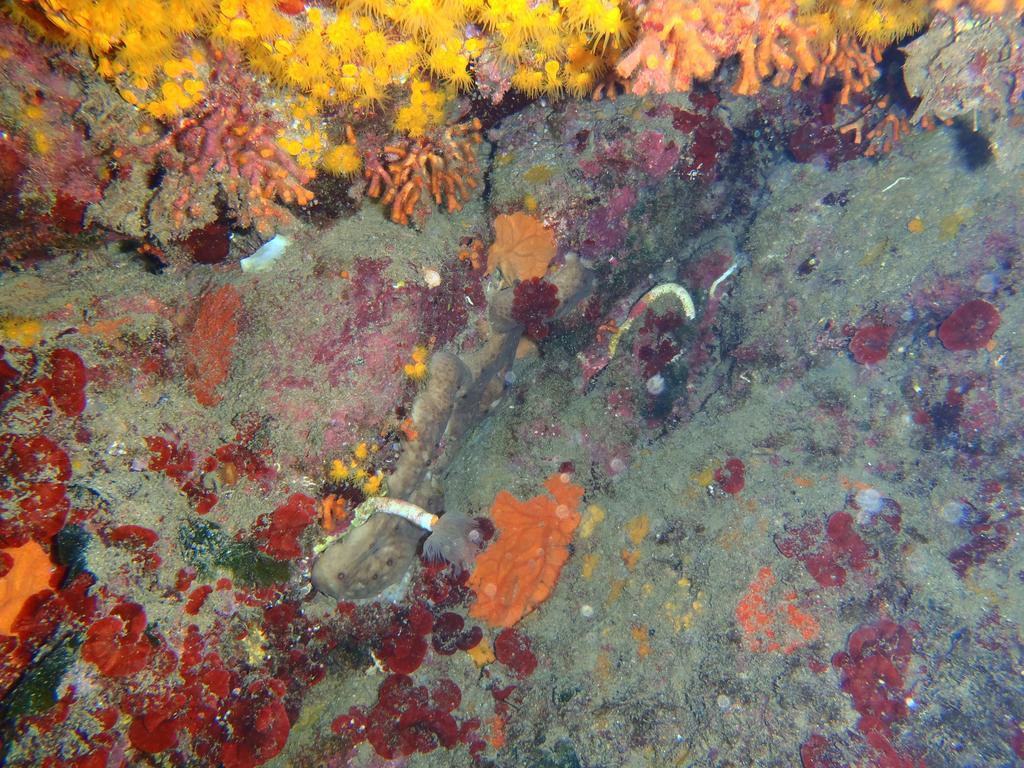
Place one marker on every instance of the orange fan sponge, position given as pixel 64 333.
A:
pixel 523 247
pixel 518 571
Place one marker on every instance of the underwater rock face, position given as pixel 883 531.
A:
pixel 765 349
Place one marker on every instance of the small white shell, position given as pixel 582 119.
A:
pixel 431 277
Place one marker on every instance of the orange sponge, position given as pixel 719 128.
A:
pixel 518 571
pixel 30 572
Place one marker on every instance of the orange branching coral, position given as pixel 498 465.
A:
pixel 682 41
pixel 30 571
pixel 518 571
pixel 445 171
pixel 855 65
pixel 523 247
pixel 878 127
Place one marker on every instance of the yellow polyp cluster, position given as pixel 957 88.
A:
pixel 178 84
pixel 356 54
pixel 21 332
pixel 355 472
pixel 874 22
pixel 416 369
pixel 559 50
pixel 424 110
pixel 367 50
pixel 342 160
pixel 304 137
pixel 338 470
pixel 137 37
pixel 143 46
pixel 305 142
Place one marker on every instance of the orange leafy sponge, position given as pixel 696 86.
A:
pixel 518 571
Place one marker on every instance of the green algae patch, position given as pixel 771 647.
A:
pixel 36 692
pixel 207 548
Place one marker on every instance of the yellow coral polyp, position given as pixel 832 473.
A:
pixel 338 470
pixel 874 22
pixel 579 84
pixel 417 368
pixel 356 53
pixel 552 82
pixel 291 146
pixel 372 486
pixel 519 29
pixel 611 29
pixel 529 81
pixel 370 91
pixel 451 65
pixel 403 57
pixel 343 35
pixel 241 30
pixel 174 68
pixel 425 109
pixel 424 19
pixel 343 160
pixel 600 20
pixel 375 46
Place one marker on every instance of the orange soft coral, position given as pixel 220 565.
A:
pixel 523 247
pixel 519 570
pixel 414 169
pixel 681 42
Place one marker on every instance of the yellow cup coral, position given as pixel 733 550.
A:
pixel 342 160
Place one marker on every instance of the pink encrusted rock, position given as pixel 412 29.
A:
pixel 658 156
pixel 335 375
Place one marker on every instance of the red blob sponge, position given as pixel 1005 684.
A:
pixel 971 326
pixel 870 344
pixel 535 302
pixel 117 644
pixel 513 650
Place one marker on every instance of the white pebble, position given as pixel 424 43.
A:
pixel 656 384
pixel 871 501
pixel 954 512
